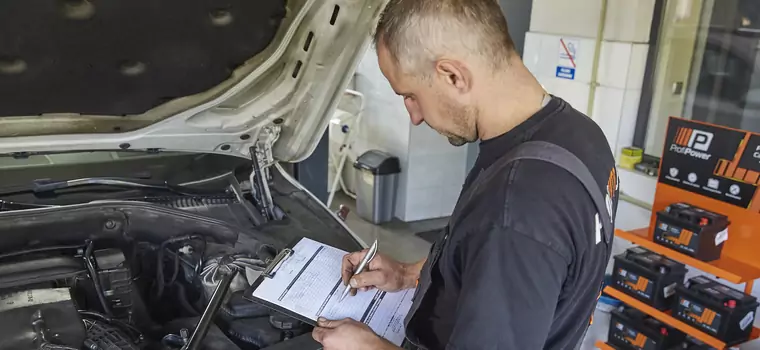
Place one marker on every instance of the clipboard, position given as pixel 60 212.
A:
pixel 270 272
pixel 304 281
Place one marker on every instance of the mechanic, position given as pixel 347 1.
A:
pixel 520 264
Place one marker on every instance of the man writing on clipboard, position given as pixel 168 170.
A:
pixel 521 262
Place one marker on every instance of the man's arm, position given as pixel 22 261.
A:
pixel 510 288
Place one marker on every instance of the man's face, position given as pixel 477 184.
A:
pixel 432 99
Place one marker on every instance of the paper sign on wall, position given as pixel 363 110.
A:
pixel 568 58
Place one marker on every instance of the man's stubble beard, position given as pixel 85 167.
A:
pixel 465 131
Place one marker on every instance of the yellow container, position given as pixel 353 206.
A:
pixel 630 156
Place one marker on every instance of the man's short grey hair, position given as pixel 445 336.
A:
pixel 416 32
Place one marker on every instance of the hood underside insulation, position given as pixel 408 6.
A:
pixel 123 57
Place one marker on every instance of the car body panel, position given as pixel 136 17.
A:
pixel 294 84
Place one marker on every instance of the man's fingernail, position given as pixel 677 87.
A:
pixel 353 282
pixel 322 319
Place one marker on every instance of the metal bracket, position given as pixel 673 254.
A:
pixel 275 263
pixel 262 159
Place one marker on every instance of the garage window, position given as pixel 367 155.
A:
pixel 704 66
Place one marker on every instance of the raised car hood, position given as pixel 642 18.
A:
pixel 180 75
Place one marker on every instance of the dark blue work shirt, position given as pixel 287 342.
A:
pixel 519 265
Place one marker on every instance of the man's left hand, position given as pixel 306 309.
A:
pixel 349 335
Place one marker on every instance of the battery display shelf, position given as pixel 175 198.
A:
pixel 726 268
pixel 724 180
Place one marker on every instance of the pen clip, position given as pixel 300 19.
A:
pixel 272 268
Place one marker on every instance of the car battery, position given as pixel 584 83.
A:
pixel 647 276
pixel 632 329
pixel 692 231
pixel 722 312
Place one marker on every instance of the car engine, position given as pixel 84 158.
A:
pixel 115 294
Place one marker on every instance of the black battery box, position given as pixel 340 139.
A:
pixel 692 231
pixel 648 276
pixel 631 329
pixel 691 343
pixel 720 311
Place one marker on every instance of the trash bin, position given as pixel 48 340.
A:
pixel 376 180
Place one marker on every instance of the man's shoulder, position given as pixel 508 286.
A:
pixel 549 202
pixel 542 200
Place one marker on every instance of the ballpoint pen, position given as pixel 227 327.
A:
pixel 367 258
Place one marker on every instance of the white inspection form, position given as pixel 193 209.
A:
pixel 309 283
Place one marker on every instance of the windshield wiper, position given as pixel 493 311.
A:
pixel 48 186
pixel 39 186
pixel 11 206
pixel 42 186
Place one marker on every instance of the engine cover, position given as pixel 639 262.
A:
pixel 32 317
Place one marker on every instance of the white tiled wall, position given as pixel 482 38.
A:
pixel 384 125
pixel 621 74
pixel 622 60
pixel 566 17
pixel 432 171
pixel 541 56
pixel 629 20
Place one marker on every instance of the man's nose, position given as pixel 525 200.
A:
pixel 414 111
pixel 416 118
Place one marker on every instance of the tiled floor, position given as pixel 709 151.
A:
pixel 396 239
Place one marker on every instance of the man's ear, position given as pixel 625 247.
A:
pixel 455 74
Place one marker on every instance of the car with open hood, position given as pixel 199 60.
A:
pixel 143 152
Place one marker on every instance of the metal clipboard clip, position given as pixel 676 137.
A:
pixel 277 262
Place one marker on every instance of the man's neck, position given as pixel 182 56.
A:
pixel 516 96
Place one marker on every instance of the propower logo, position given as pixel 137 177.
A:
pixel 692 142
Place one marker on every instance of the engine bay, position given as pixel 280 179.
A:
pixel 103 295
pixel 122 263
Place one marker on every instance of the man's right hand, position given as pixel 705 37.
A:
pixel 383 273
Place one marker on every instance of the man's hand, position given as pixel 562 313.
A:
pixel 349 335
pixel 382 273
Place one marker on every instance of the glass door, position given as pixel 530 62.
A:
pixel 707 66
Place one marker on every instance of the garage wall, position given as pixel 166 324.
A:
pixel 620 71
pixel 620 77
pixel 433 171
pixel 517 13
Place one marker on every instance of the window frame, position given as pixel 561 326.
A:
pixel 647 88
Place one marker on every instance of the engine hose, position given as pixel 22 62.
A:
pixel 182 297
pixel 125 326
pixel 176 270
pixel 39 250
pixel 161 283
pixel 96 278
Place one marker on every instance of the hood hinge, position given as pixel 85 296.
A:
pixel 261 160
pixel 264 144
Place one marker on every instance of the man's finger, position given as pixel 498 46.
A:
pixel 349 264
pixel 367 279
pixel 319 334
pixel 330 324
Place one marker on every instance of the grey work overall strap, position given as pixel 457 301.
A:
pixel 551 153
